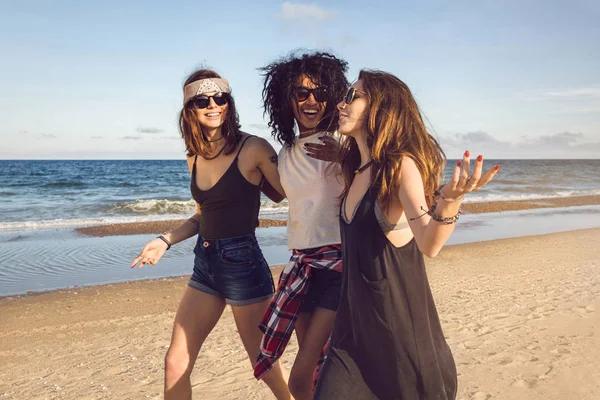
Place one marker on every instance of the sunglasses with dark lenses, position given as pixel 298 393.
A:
pixel 220 99
pixel 350 95
pixel 302 93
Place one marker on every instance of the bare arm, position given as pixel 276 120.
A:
pixel 431 235
pixel 155 249
pixel 266 159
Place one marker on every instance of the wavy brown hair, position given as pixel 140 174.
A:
pixel 196 142
pixel 395 129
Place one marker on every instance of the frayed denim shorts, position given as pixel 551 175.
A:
pixel 232 268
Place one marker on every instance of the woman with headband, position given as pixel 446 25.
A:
pixel 227 168
pixel 387 342
pixel 303 91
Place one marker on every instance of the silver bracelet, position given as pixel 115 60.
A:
pixel 438 192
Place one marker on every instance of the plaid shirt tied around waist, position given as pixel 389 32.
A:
pixel 280 318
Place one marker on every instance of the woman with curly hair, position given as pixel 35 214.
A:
pixel 387 342
pixel 302 90
pixel 227 167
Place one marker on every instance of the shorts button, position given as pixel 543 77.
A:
pixel 205 244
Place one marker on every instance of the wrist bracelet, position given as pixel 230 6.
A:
pixel 437 218
pixel 164 239
pixel 438 192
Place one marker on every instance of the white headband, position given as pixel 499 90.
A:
pixel 208 85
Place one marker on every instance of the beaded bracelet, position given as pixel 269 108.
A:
pixel 164 239
pixel 435 217
pixel 438 192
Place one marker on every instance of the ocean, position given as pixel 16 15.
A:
pixel 41 202
pixel 49 194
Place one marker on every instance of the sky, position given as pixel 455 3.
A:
pixel 103 79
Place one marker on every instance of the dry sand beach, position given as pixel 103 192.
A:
pixel 520 315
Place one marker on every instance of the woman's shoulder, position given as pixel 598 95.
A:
pixel 253 140
pixel 256 145
pixel 190 161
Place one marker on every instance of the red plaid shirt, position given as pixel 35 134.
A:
pixel 278 322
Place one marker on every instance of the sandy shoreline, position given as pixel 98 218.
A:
pixel 153 227
pixel 156 227
pixel 520 316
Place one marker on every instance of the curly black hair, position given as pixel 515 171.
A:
pixel 280 79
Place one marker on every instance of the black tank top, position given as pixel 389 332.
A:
pixel 230 207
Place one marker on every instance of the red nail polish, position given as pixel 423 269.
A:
pixel 497 168
pixel 480 158
pixel 458 163
pixel 467 153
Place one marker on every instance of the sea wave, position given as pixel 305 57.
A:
pixel 154 207
pixel 78 222
pixel 64 184
pixel 479 198
pixel 180 207
pixel 165 209
pixel 60 223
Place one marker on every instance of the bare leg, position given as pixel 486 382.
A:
pixel 312 336
pixel 247 319
pixel 197 315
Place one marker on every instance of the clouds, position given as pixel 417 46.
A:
pixel 579 100
pixel 574 94
pixel 132 138
pixel 558 145
pixel 152 130
pixel 259 127
pixel 292 12
pixel 35 135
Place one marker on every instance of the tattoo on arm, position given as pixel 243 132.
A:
pixel 273 158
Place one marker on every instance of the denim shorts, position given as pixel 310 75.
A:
pixel 232 268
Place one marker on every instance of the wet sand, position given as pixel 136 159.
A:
pixel 520 316
pixel 153 227
pixel 157 227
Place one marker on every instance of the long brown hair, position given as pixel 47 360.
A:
pixel 395 129
pixel 196 142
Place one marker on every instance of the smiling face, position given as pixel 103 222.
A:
pixel 213 116
pixel 309 112
pixel 352 120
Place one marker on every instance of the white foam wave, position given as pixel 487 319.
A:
pixel 155 206
pixel 79 222
pixel 183 207
pixel 534 196
pixel 146 210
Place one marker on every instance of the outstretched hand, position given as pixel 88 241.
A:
pixel 151 253
pixel 464 182
pixel 328 151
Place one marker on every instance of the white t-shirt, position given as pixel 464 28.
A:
pixel 312 191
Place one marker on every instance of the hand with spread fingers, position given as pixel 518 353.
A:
pixel 151 253
pixel 464 182
pixel 328 151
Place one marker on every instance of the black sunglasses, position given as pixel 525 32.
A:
pixel 220 99
pixel 302 93
pixel 349 97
